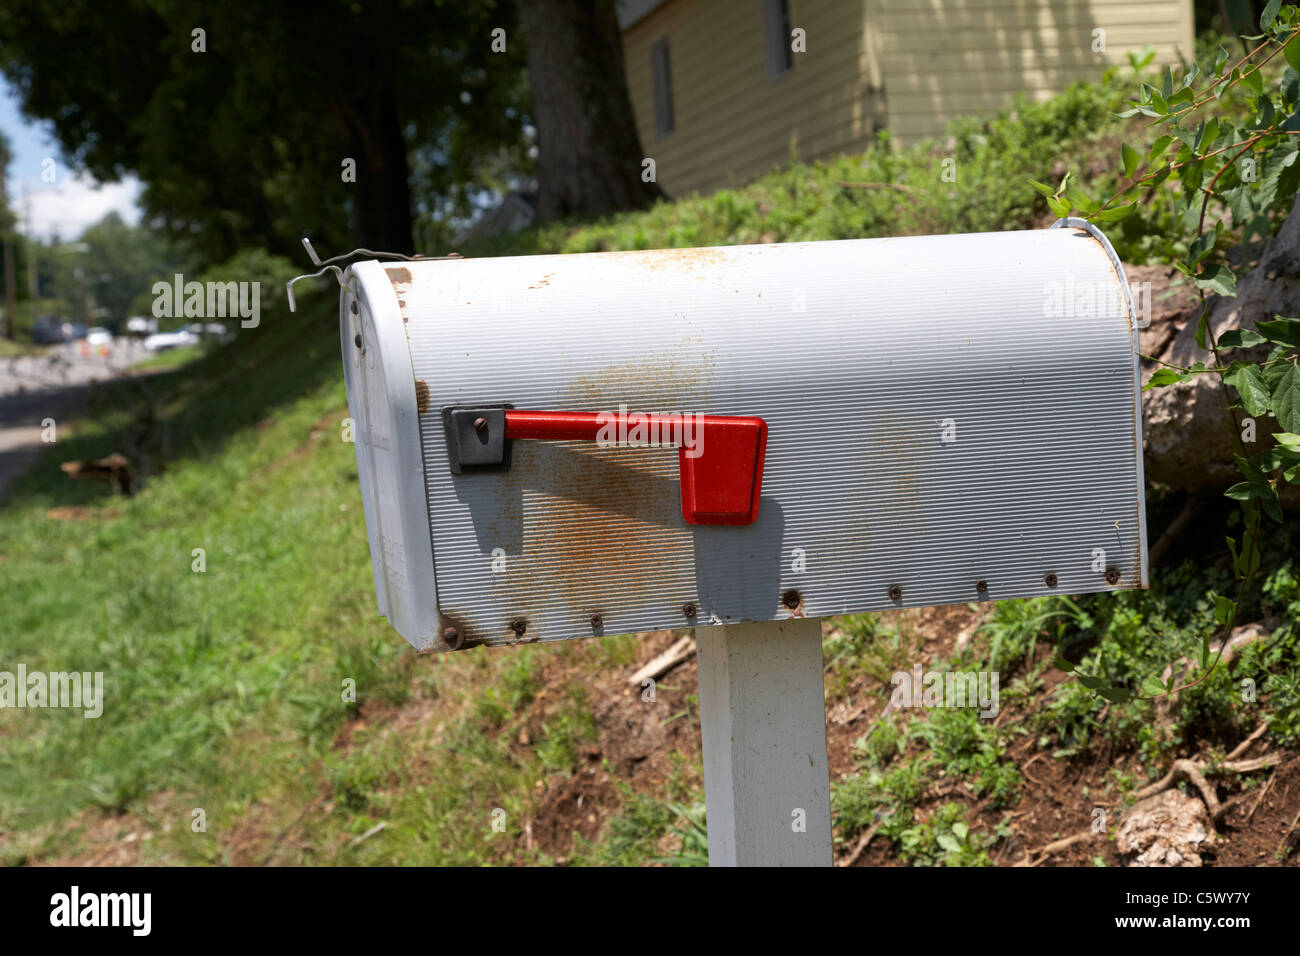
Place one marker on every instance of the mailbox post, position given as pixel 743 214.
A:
pixel 763 727
pixel 744 440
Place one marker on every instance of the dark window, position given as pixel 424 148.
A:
pixel 661 75
pixel 776 27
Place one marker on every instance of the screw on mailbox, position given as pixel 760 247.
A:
pixel 1050 579
pixel 982 586
pixel 480 425
pixel 597 622
pixel 895 593
pixel 519 625
pixel 357 340
pixel 453 638
pixel 790 599
pixel 1112 575
pixel 689 610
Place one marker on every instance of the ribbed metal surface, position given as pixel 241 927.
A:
pixel 855 353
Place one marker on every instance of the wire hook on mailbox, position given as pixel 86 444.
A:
pixel 328 265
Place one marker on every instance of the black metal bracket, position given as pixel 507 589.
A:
pixel 476 437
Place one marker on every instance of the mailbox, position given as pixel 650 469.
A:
pixel 563 446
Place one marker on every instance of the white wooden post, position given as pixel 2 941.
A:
pixel 763 724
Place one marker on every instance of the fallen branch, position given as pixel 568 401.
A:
pixel 1057 846
pixel 679 652
pixel 377 828
pixel 1193 772
pixel 1183 769
pixel 1286 837
pixel 860 847
pixel 1242 747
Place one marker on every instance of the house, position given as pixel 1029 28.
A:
pixel 724 90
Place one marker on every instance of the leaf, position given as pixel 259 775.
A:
pixel 948 842
pixel 1155 99
pixel 1282 331
pixel 1043 188
pixel 1092 683
pixel 1269 15
pixel 1286 399
pixel 1265 107
pixel 1078 198
pixel 1202 244
pixel 1116 695
pixel 1288 440
pixel 1240 339
pixel 1220 279
pixel 1061 664
pixel 1208 133
pixel 1131 159
pixel 1242 491
pixel 1060 208
pixel 1202 330
pixel 1219 60
pixel 1224 610
pixel 1116 213
pixel 1162 377
pixel 1292 53
pixel 1248 379
pixel 1253 80
pixel 1153 686
pixel 961 829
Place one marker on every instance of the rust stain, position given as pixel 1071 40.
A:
pixel 592 529
pixel 399 274
pixel 678 259
pixel 599 527
pixel 421 395
pixel 667 381
pixel 543 281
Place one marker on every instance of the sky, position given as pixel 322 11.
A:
pixel 70 203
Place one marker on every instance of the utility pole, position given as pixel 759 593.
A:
pixel 11 289
pixel 32 245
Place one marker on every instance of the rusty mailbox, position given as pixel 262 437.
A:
pixel 564 446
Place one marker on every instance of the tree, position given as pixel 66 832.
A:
pixel 589 153
pixel 249 124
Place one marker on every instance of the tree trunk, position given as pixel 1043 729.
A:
pixel 371 134
pixel 589 154
pixel 1187 430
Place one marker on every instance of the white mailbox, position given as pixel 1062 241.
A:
pixel 553 447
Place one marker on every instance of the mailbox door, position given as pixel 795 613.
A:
pixel 950 419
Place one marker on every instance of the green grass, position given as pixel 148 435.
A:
pixel 11 349
pixel 170 358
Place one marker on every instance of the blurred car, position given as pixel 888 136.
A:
pixel 140 325
pixel 161 341
pixel 99 336
pixel 190 334
pixel 47 330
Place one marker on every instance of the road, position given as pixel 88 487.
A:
pixel 54 385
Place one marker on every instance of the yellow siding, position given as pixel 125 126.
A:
pixel 945 58
pixel 911 65
pixel 731 122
